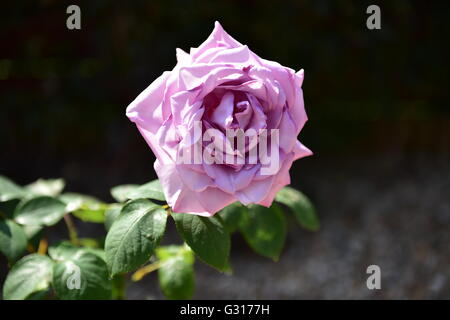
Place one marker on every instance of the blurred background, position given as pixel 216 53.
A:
pixel 379 125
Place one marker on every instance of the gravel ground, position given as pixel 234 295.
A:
pixel 392 212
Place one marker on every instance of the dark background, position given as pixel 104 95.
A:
pixel 379 126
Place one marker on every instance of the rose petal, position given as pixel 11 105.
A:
pixel 218 38
pixel 146 109
pixel 223 114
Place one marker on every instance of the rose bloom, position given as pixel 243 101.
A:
pixel 223 85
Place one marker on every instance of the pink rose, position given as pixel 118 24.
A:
pixel 222 86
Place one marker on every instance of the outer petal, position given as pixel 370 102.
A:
pixel 207 76
pixel 281 180
pixel 300 151
pixel 146 110
pixel 183 58
pixel 256 191
pixel 288 132
pixel 218 38
pixel 298 110
pixel 240 55
pixel 184 200
pixel 152 141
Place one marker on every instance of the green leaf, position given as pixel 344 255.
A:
pixel 32 273
pixel 176 274
pixel 85 208
pixel 39 295
pixel 301 206
pixel 134 235
pixel 50 187
pixel 90 242
pixel 98 252
pixel 34 235
pixel 7 208
pixel 62 251
pixel 75 201
pixel 9 190
pixel 164 253
pixel 13 240
pixel 92 214
pixel 120 193
pixel 81 276
pixel 232 215
pixel 65 250
pixel 150 190
pixel 110 215
pixel 207 237
pixel 32 231
pixel 40 211
pixel 264 229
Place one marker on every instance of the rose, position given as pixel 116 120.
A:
pixel 221 85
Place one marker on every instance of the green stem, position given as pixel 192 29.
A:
pixel 73 235
pixel 139 274
pixel 119 287
pixel 43 245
